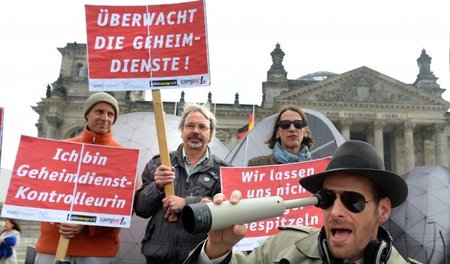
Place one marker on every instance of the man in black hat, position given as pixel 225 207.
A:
pixel 357 196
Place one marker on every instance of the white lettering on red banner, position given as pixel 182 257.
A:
pixel 274 180
pixel 147 47
pixel 72 182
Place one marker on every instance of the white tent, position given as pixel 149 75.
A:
pixel 420 227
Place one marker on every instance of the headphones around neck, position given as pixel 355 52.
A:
pixel 377 251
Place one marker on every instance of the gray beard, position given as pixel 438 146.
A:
pixel 195 145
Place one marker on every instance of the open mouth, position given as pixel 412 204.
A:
pixel 340 234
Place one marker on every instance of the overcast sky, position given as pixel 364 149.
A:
pixel 318 35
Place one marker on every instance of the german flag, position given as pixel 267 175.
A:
pixel 243 131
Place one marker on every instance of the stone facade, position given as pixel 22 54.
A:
pixel 408 123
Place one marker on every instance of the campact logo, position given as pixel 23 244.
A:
pixel 196 81
pixel 113 221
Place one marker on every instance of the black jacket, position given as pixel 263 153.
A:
pixel 164 241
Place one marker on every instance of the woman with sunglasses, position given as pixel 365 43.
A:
pixel 290 139
pixel 356 195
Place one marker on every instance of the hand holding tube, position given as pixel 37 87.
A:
pixel 221 241
pixel 224 222
pixel 201 218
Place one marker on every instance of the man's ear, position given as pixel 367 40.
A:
pixel 384 209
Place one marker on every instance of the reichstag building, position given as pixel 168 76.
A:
pixel 407 123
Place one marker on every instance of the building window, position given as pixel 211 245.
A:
pixel 76 132
pixel 80 70
pixel 358 136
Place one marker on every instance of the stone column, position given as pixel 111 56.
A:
pixel 399 163
pixel 53 122
pixel 441 144
pixel 410 159
pixel 345 128
pixel 428 146
pixel 378 137
pixel 369 135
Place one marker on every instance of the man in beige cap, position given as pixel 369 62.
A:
pixel 88 244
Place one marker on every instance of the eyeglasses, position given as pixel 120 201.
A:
pixel 353 201
pixel 285 124
pixel 191 127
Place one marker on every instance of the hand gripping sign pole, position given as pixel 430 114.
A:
pixel 162 141
pixel 169 189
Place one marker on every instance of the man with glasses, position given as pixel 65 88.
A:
pixel 356 196
pixel 195 173
pixel 290 139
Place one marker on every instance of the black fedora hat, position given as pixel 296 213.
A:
pixel 359 157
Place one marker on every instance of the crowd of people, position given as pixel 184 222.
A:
pixel 357 195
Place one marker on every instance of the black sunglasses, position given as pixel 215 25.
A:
pixel 285 124
pixel 353 201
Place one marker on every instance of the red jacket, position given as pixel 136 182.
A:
pixel 94 241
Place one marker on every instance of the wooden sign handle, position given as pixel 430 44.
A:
pixel 158 108
pixel 61 250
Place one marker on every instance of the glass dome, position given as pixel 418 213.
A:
pixel 317 76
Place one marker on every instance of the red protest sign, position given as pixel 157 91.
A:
pixel 274 180
pixel 61 181
pixel 147 47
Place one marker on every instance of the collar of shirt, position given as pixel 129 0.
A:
pixel 190 169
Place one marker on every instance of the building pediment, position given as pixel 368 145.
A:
pixel 362 86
